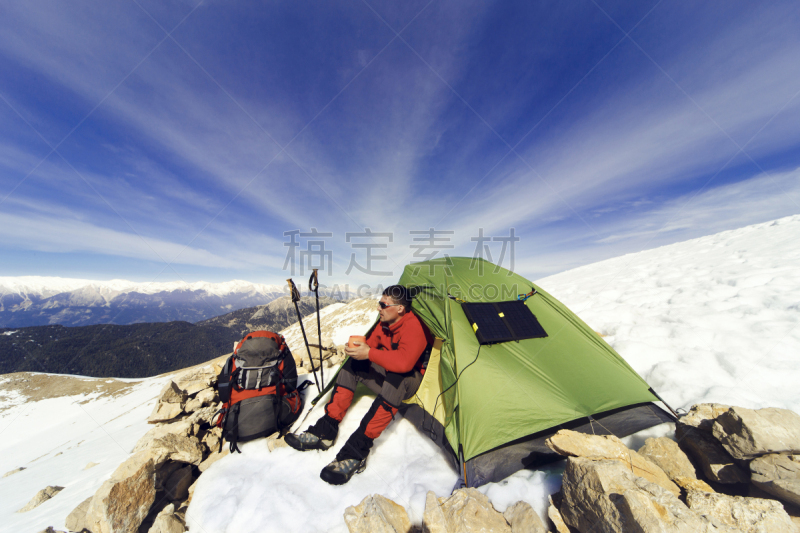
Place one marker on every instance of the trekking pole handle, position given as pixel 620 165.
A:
pixel 313 281
pixel 293 290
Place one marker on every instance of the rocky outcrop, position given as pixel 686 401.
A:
pixel 574 444
pixel 554 515
pixel 41 497
pixel 376 514
pixel 716 463
pixel 603 495
pixel 667 455
pixel 164 464
pixel 747 433
pixel 779 475
pixel 749 515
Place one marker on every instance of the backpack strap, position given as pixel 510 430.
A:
pixel 224 381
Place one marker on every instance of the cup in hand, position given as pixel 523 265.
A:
pixel 356 340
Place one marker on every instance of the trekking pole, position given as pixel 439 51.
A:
pixel 296 298
pixel 315 289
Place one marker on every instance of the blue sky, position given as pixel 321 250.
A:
pixel 158 140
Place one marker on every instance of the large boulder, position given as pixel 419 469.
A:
pixel 376 514
pixel 747 433
pixel 604 496
pixel 76 520
pixel 574 444
pixel 749 515
pixel 122 503
pixel 708 453
pixel 41 497
pixel 666 453
pixel 470 511
pixel 523 519
pixel 779 475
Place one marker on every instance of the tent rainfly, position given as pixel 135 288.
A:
pixel 511 365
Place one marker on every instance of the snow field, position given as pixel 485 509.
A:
pixel 56 439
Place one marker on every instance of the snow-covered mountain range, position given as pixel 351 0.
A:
pixel 713 319
pixel 36 301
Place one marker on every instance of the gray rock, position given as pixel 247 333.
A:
pixel 669 457
pixel 41 497
pixel 177 486
pixel 523 519
pixel 779 475
pixel 76 520
pixel 603 495
pixel 717 464
pixel 376 514
pixel 748 433
pixel 749 515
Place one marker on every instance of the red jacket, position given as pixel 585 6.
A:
pixel 410 336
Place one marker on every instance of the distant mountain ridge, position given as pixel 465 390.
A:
pixel 140 350
pixel 36 301
pixel 274 316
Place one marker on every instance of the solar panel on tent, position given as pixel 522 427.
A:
pixel 495 322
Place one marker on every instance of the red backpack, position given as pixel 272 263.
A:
pixel 258 388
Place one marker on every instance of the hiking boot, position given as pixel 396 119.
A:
pixel 340 472
pixel 307 441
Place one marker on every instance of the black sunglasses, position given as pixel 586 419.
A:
pixel 384 305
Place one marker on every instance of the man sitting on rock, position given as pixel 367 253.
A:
pixel 391 365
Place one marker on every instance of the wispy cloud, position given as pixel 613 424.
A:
pixel 391 134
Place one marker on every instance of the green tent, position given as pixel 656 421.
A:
pixel 492 405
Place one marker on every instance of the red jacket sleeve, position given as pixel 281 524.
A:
pixel 411 344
